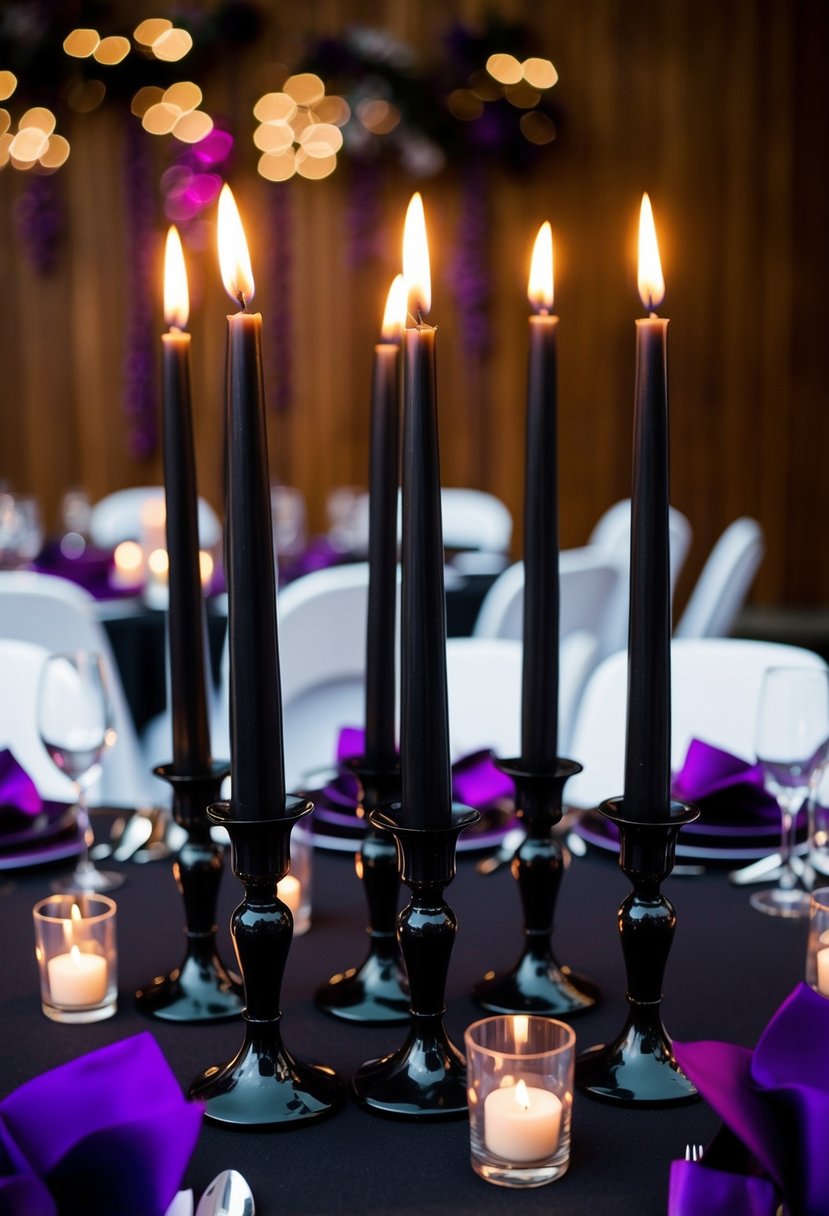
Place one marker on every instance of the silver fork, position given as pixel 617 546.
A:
pixel 693 1152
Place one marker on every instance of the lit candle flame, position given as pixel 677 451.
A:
pixel 540 286
pixel 394 318
pixel 75 956
pixel 522 1098
pixel 416 274
pixel 176 294
pixel 651 282
pixel 75 915
pixel 234 258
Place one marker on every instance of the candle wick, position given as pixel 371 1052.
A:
pixel 240 296
pixel 419 314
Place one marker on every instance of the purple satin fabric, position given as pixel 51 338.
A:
pixel 775 1101
pixel 695 1190
pixel 109 1132
pixel 722 783
pixel 18 793
pixel 476 781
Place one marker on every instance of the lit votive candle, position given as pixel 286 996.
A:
pixel 522 1122
pixel 77 980
pixel 291 893
pixel 822 964
pixel 128 565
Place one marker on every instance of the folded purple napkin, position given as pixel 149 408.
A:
pixel 18 793
pixel 107 1133
pixel 476 781
pixel 726 787
pixel 774 1102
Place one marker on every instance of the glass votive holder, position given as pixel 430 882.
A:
pixel 520 1093
pixel 295 888
pixel 817 949
pixel 77 957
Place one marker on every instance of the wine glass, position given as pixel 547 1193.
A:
pixel 76 727
pixel 792 740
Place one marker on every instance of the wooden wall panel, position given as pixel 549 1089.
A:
pixel 719 110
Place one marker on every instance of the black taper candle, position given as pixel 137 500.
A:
pixel 384 464
pixel 256 741
pixel 186 626
pixel 424 712
pixel 648 744
pixel 539 701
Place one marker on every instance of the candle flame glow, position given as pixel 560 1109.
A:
pixel 75 956
pixel 521 1029
pixel 234 258
pixel 176 293
pixel 540 286
pixel 416 273
pixel 522 1098
pixel 651 281
pixel 394 318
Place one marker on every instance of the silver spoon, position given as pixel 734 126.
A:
pixel 227 1195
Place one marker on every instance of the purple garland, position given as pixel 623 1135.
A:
pixel 364 214
pixel 40 216
pixel 280 313
pixel 469 268
pixel 139 366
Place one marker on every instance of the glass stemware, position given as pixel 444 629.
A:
pixel 75 724
pixel 792 738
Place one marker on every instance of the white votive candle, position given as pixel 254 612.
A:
pixel 522 1122
pixel 77 979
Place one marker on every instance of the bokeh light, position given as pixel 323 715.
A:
pixel 277 167
pixel 150 30
pixel 522 95
pixel 377 116
pixel 160 118
pixel 275 107
pixel 40 117
pixel 56 154
pixel 464 105
pixel 112 50
pixel 149 95
pixel 305 88
pixel 273 137
pixel 299 129
pixel 185 94
pixel 172 45
pixel 28 145
pixel 321 140
pixel 537 128
pixel 315 168
pixel 504 68
pixel 192 127
pixel 540 73
pixel 81 43
pixel 84 96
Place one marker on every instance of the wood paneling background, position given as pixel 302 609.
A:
pixel 719 110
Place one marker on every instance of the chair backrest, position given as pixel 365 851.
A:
pixel 59 615
pixel 117 517
pixel 322 645
pixel 715 686
pixel 20 666
pixel 724 582
pixel 474 519
pixel 588 580
pixel 612 536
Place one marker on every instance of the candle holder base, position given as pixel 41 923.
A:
pixel 263 1085
pixel 538 983
pixel 201 988
pixel 375 993
pixel 639 1068
pixel 426 1077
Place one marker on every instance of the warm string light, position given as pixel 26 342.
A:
pixel 299 129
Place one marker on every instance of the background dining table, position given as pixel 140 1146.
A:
pixel 729 970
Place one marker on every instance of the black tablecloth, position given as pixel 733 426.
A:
pixel 729 969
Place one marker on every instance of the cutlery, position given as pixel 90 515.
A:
pixel 182 1205
pixel 227 1195
pixel 693 1152
pixel 137 832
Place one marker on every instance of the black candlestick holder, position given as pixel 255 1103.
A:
pixel 376 992
pixel 201 989
pixel 538 983
pixel 638 1068
pixel 263 1085
pixel 426 1077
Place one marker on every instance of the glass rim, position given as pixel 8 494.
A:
pixel 570 1038
pixel 820 897
pixel 109 909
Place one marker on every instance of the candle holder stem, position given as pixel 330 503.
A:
pixel 263 1085
pixel 426 1077
pixel 200 989
pixel 638 1068
pixel 376 992
pixel 538 983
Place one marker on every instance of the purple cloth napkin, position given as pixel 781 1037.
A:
pixel 726 787
pixel 18 793
pixel 107 1133
pixel 476 781
pixel 775 1102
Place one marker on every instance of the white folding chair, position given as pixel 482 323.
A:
pixel 721 589
pixel 117 517
pixel 59 615
pixel 715 685
pixel 611 535
pixel 587 583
